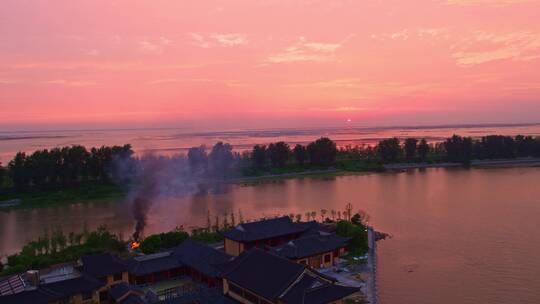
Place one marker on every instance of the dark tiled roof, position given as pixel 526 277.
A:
pixel 202 296
pixel 11 285
pixel 153 263
pixel 120 290
pixel 50 292
pixel 74 286
pixel 35 296
pixel 200 257
pixel 328 293
pixel 310 246
pixel 263 273
pixel 133 299
pixel 100 265
pixel 312 289
pixel 297 292
pixel 265 229
pixel 313 228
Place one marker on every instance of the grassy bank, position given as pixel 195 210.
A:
pixel 91 192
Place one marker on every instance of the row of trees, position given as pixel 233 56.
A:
pixel 70 165
pixel 57 247
pixel 67 166
pixel 321 152
pixel 221 158
pixel 458 149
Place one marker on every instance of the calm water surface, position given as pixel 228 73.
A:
pixel 459 236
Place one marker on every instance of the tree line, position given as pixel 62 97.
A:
pixel 69 166
pixel 66 166
pixel 458 149
pixel 57 247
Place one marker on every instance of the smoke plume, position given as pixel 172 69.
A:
pixel 158 177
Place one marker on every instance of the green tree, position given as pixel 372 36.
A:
pixel 300 154
pixel 221 158
pixel 198 159
pixel 2 178
pixel 259 156
pixel 423 150
pixel 159 242
pixel 459 149
pixel 357 232
pixel 410 148
pixel 39 166
pixel 77 158
pixel 279 154
pixel 322 152
pixel 19 171
pixel 389 150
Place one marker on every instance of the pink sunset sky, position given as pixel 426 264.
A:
pixel 267 63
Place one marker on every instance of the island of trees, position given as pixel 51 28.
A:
pixel 77 173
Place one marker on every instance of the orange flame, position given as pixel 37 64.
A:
pixel 135 245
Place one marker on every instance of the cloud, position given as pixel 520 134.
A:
pixel 230 39
pixel 483 47
pixel 114 67
pixel 93 52
pixel 148 47
pixel 359 89
pixel 418 33
pixel 154 46
pixel 303 50
pixel 488 2
pixel 338 109
pixel 229 82
pixel 218 39
pixel 70 83
pixel 7 81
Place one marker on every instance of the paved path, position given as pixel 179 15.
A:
pixel 371 284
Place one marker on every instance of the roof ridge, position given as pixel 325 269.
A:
pixel 291 283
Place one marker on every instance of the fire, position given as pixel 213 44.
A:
pixel 135 245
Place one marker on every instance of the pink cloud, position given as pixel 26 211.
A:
pixel 308 61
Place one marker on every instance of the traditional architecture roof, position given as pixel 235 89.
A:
pixel 133 299
pixel 200 257
pixel 202 296
pixel 100 265
pixel 274 277
pixel 46 293
pixel 265 274
pixel 264 229
pixel 124 293
pixel 153 263
pixel 35 296
pixel 313 228
pixel 122 290
pixel 312 289
pixel 310 246
pixel 12 284
pixel 326 294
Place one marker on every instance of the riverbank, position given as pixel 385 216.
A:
pixel 489 163
pixel 109 193
pixel 85 193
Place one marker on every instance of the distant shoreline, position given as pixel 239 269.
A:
pixel 7 203
pixel 492 163
pixel 477 164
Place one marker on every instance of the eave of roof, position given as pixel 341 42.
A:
pixel 263 273
pixel 310 246
pixel 100 265
pixel 265 229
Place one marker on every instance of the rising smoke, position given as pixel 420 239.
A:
pixel 158 177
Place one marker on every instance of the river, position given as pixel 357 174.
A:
pixel 459 236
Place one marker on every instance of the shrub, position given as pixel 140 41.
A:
pixel 158 242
